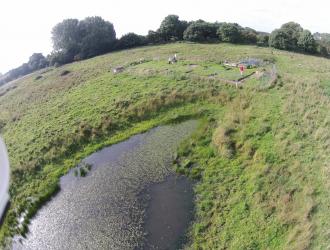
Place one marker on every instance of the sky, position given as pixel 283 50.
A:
pixel 25 25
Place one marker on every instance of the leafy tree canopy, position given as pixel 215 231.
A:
pixel 66 35
pixel 230 32
pixel 98 36
pixel 82 39
pixel 249 35
pixel 306 42
pixel 201 31
pixel 131 40
pixel 172 28
pixel 286 37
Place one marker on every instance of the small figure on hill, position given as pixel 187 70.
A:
pixel 118 70
pixel 172 59
pixel 241 69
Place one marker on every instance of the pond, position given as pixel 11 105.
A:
pixel 130 199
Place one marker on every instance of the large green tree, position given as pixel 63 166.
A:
pixel 279 39
pixel 263 39
pixel 74 39
pixel 98 36
pixel 293 30
pixel 249 35
pixel 201 31
pixel 37 61
pixel 131 40
pixel 66 36
pixel 306 42
pixel 154 37
pixel 172 28
pixel 230 32
pixel 286 37
pixel 322 43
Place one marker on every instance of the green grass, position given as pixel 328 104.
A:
pixel 260 155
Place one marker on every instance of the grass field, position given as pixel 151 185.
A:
pixel 261 153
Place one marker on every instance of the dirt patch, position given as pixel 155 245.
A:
pixel 193 66
pixel 65 72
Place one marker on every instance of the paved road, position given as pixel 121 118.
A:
pixel 4 177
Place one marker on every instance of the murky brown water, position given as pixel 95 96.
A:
pixel 169 213
pixel 130 200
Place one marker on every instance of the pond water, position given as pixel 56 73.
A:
pixel 131 199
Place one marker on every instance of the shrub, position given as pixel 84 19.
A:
pixel 286 37
pixel 229 32
pixel 172 28
pixel 154 37
pixel 130 40
pixel 248 36
pixel 60 57
pixel 65 72
pixel 279 40
pixel 201 31
pixel 262 40
pixel 306 42
pixel 83 172
pixel 86 38
pixel 97 37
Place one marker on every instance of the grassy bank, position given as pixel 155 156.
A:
pixel 263 165
pixel 261 154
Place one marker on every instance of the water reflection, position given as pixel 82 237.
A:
pixel 107 208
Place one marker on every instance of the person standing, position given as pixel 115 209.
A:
pixel 241 69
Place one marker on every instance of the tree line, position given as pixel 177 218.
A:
pixel 75 40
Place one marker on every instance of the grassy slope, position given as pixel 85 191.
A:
pixel 264 163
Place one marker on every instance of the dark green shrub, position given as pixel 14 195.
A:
pixel 201 31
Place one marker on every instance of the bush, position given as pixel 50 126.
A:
pixel 83 172
pixel 286 38
pixel 131 40
pixel 98 37
pixel 172 28
pixel 74 39
pixel 229 32
pixel 36 61
pixel 279 39
pixel 322 41
pixel 65 72
pixel 306 42
pixel 201 31
pixel 262 40
pixel 248 36
pixel 154 37
pixel 59 58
